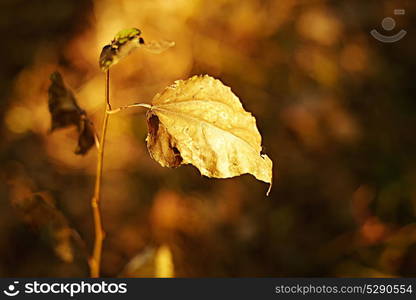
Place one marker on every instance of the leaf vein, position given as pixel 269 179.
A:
pixel 206 122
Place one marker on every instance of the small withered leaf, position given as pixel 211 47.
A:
pixel 124 42
pixel 66 112
pixel 200 121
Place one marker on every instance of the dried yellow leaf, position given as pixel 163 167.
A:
pixel 201 122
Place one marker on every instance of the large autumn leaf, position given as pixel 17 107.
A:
pixel 201 122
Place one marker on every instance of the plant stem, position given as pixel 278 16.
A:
pixel 95 260
pixel 116 110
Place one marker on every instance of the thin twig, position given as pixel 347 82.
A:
pixel 95 260
pixel 114 111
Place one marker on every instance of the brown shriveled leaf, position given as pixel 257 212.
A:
pixel 124 42
pixel 201 122
pixel 66 112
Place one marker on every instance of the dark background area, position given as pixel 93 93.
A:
pixel 335 107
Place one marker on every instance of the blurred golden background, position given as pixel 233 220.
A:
pixel 335 107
